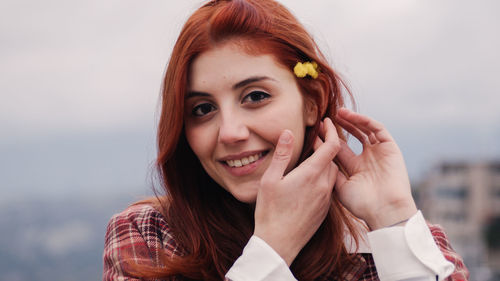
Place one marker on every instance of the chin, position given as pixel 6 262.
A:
pixel 248 196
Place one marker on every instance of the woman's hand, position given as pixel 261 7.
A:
pixel 377 188
pixel 290 209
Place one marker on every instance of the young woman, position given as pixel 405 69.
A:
pixel 259 181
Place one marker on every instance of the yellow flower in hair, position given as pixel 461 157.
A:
pixel 306 68
pixel 300 70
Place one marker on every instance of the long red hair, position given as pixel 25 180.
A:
pixel 211 226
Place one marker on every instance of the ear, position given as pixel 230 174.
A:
pixel 310 111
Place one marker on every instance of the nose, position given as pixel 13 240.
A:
pixel 233 129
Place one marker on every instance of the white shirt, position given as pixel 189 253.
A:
pixel 400 253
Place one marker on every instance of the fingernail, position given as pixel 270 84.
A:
pixel 286 137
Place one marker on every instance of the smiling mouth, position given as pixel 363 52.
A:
pixel 236 163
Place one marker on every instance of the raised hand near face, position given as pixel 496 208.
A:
pixel 290 208
pixel 376 187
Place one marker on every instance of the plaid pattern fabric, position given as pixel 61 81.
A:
pixel 461 272
pixel 139 233
pixel 135 235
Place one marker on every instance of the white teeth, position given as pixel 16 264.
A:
pixel 244 161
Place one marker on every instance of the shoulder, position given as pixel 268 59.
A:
pixel 140 215
pixel 141 223
pixel 140 234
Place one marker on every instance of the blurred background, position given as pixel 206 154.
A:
pixel 79 89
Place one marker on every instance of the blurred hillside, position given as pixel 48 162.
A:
pixel 54 240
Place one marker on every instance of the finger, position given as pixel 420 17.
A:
pixel 340 180
pixel 341 167
pixel 376 131
pixel 366 124
pixel 346 157
pixel 281 157
pixel 326 151
pixel 317 143
pixel 373 139
pixel 327 175
pixel 321 131
pixel 333 173
pixel 353 130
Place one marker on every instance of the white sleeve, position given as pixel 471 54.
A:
pixel 259 262
pixel 408 252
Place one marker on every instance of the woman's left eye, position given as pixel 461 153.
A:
pixel 256 96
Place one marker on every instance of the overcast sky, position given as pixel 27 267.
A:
pixel 79 82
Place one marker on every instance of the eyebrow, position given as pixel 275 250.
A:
pixel 250 80
pixel 236 86
pixel 192 94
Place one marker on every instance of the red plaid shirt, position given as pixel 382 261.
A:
pixel 141 232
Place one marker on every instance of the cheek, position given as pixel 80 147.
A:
pixel 287 116
pixel 200 140
pixel 271 125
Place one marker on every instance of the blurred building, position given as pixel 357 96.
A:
pixel 465 199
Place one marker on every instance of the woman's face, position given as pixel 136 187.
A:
pixel 236 107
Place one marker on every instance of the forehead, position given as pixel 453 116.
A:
pixel 229 63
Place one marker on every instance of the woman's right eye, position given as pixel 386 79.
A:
pixel 203 109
